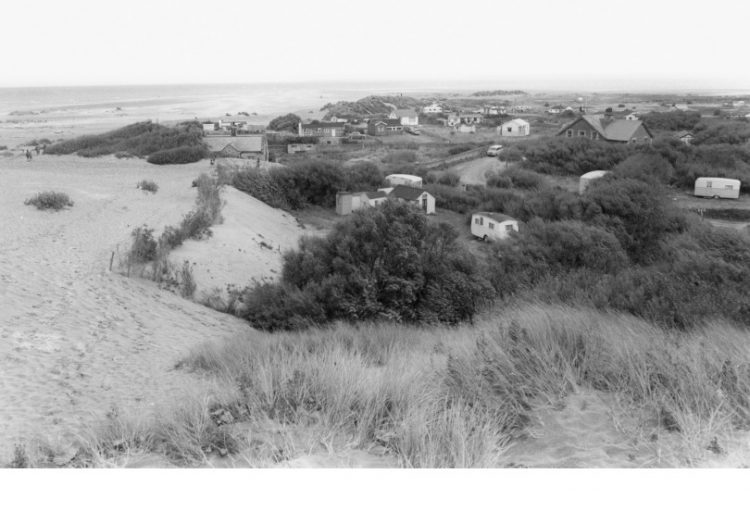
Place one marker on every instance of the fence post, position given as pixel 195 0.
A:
pixel 111 259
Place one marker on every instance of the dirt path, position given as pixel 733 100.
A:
pixel 75 339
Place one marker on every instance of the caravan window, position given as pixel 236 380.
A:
pixel 481 220
pixel 508 228
pixel 727 187
pixel 491 225
pixel 708 184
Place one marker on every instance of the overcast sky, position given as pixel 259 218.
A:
pixel 575 43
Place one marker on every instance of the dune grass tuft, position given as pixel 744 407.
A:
pixel 49 200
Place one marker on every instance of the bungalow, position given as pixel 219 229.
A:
pixel 209 126
pixel 486 225
pixel 470 117
pixel 416 196
pixel 493 110
pixel 299 148
pixel 596 127
pixel 633 116
pixel 514 128
pixel 244 146
pixel 557 109
pixel 434 108
pixel 382 127
pixel 406 116
pixel 321 129
pixel 327 132
pixel 685 137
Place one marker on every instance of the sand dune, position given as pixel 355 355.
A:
pixel 246 246
pixel 75 339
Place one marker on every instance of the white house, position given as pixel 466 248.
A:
pixel 514 128
pixel 208 127
pixel 406 116
pixel 404 179
pixel 470 117
pixel 685 137
pixel 717 187
pixel 453 120
pixel 588 177
pixel 492 226
pixel 434 108
pixel 632 116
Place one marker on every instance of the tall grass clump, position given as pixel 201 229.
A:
pixel 49 200
pixel 459 396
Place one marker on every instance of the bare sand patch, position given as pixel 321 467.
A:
pixel 77 340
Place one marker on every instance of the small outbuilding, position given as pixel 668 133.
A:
pixel 347 202
pixel 588 177
pixel 492 226
pixel 514 128
pixel 717 187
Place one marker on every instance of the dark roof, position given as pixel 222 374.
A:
pixel 406 192
pixel 376 195
pixel 324 125
pixel 683 134
pixel 387 122
pixel 619 130
pixel 499 217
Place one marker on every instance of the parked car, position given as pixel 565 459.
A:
pixel 494 150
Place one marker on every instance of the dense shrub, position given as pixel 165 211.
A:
pixel 449 179
pixel 525 179
pixel 288 122
pixel 182 154
pixel 672 121
pixel 649 167
pixel 573 156
pixel 726 132
pixel 511 154
pixel 49 200
pixel 381 263
pixel 144 245
pixel 140 139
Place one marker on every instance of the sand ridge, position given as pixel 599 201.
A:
pixel 77 340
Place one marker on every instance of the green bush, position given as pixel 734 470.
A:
pixel 50 200
pixel 461 148
pixel 402 156
pixel 144 245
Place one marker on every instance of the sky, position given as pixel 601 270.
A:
pixel 604 44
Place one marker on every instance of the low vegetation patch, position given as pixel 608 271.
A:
pixel 50 200
pixel 147 186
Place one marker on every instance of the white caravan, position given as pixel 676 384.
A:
pixel 404 179
pixel 717 187
pixel 492 226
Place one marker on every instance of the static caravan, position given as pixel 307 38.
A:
pixel 717 187
pixel 492 226
pixel 588 177
pixel 404 179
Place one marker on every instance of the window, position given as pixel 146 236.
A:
pixel 581 133
pixel 481 220
pixel 508 227
pixel 727 187
pixel 708 184
pixel 476 220
pixel 491 225
pixel 569 133
pixel 510 128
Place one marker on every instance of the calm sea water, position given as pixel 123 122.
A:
pixel 266 96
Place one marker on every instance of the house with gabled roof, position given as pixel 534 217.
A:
pixel 685 137
pixel 322 129
pixel 416 196
pixel 243 146
pixel 347 202
pixel 596 127
pixel 380 127
pixel 406 116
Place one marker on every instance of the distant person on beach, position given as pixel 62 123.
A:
pixel 37 150
pixel 28 155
